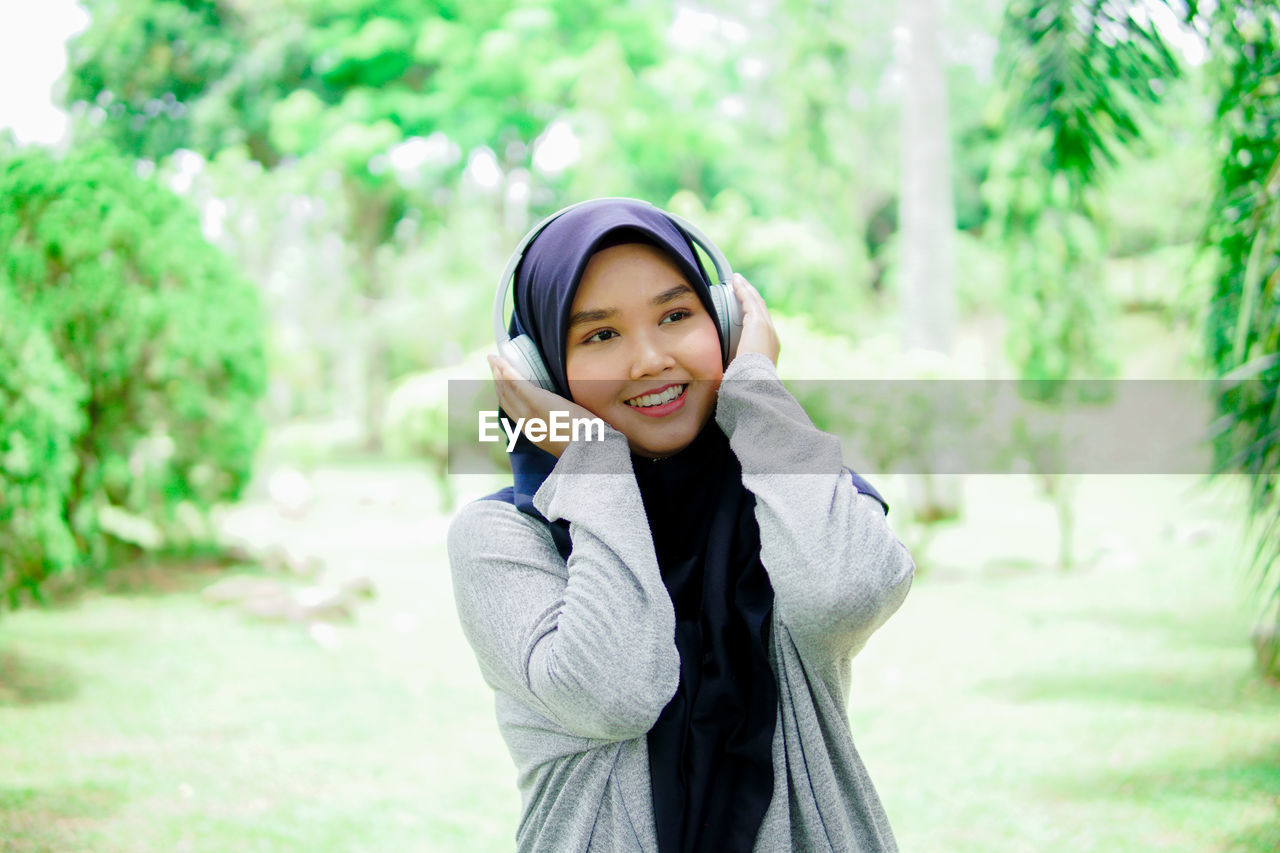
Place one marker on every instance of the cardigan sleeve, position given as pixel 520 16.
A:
pixel 588 644
pixel 838 571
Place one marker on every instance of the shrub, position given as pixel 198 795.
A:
pixel 40 419
pixel 164 332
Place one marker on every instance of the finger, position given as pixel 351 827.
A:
pixel 502 367
pixel 523 397
pixel 495 367
pixel 504 371
pixel 751 300
pixel 746 288
pixel 503 380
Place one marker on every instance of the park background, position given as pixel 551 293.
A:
pixel 244 246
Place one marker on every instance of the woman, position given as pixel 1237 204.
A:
pixel 667 616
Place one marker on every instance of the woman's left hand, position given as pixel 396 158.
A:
pixel 758 333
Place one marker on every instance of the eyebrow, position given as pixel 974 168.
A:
pixel 595 315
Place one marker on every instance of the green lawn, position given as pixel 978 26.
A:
pixel 1112 708
pixel 1006 707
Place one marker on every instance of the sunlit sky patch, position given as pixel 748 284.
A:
pixel 32 57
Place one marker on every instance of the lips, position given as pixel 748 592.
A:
pixel 658 397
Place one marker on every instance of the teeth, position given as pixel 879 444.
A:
pixel 657 399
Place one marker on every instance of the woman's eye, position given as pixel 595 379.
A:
pixel 675 315
pixel 600 336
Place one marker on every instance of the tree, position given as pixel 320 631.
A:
pixel 928 217
pixel 157 329
pixel 926 280
pixel 1080 74
pixel 1089 70
pixel 41 416
pixel 1242 329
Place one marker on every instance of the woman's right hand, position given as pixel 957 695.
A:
pixel 521 398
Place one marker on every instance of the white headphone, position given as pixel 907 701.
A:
pixel 522 353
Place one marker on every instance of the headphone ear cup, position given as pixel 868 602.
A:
pixel 523 355
pixel 728 318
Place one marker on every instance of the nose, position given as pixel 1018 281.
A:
pixel 649 357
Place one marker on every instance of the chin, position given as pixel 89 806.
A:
pixel 655 440
pixel 658 451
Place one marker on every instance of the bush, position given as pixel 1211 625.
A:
pixel 40 419
pixel 163 331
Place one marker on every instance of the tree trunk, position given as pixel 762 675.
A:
pixel 927 216
pixel 927 212
pixel 367 217
pixel 376 379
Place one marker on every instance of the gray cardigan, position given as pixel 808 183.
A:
pixel 582 657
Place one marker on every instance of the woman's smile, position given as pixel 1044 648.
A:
pixel 657 404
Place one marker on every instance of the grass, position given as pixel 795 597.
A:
pixel 1109 708
pixel 1006 707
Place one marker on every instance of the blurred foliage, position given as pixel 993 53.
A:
pixel 431 416
pixel 908 427
pixel 386 97
pixel 40 419
pixel 1155 194
pixel 786 106
pixel 1055 302
pixel 1243 323
pixel 287 236
pixel 170 50
pixel 1082 71
pixel 1172 281
pixel 370 164
pixel 1079 74
pixel 160 328
pixel 1079 77
pixel 802 266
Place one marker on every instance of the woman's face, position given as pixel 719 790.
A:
pixel 642 352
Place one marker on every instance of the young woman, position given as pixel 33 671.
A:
pixel 667 616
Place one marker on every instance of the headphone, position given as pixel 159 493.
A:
pixel 522 353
